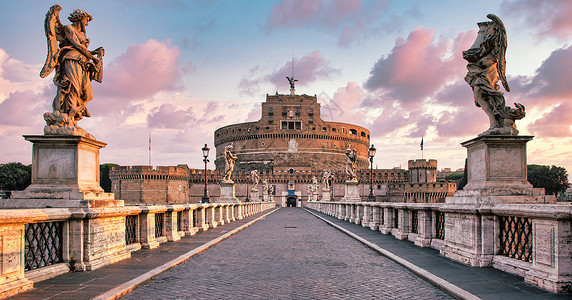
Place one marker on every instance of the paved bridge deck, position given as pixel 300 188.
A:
pixel 289 253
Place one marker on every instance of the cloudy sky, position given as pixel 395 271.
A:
pixel 177 70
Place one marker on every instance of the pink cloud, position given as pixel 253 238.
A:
pixel 142 71
pixel 553 77
pixel 307 70
pixel 546 18
pixel 25 108
pixel 465 121
pixel 555 123
pixel 344 104
pixel 417 67
pixel 167 116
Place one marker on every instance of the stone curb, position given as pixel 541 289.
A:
pixel 441 283
pixel 125 288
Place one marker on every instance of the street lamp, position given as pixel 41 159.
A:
pixel 205 160
pixel 371 152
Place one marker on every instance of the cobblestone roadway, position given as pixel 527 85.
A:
pixel 289 255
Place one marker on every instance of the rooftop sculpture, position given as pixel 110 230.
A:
pixel 75 68
pixel 486 67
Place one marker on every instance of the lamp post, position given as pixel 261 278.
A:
pixel 371 152
pixel 205 160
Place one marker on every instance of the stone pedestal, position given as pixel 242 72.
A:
pixel 351 192
pixel 265 197
pixel 65 173
pixel 496 169
pixel 254 197
pixel 326 195
pixel 227 193
pixel 497 174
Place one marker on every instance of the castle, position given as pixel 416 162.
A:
pixel 289 146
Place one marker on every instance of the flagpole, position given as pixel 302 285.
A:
pixel 149 148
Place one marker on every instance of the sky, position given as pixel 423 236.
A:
pixel 177 70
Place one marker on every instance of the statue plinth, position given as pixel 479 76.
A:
pixel 326 195
pixel 351 192
pixel 254 195
pixel 497 171
pixel 65 173
pixel 227 193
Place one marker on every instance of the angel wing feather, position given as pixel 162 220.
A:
pixel 53 28
pixel 502 44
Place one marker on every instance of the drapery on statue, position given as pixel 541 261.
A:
pixel 486 68
pixel 255 178
pixel 292 81
pixel 230 159
pixel 351 159
pixel 75 67
pixel 265 187
pixel 326 179
pixel 315 185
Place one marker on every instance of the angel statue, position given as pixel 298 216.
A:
pixel 264 187
pixel 351 159
pixel 486 68
pixel 75 67
pixel 255 178
pixel 326 179
pixel 315 185
pixel 292 81
pixel 230 160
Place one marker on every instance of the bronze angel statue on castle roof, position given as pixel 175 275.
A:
pixel 75 67
pixel 486 67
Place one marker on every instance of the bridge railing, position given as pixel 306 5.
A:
pixel 533 241
pixel 36 244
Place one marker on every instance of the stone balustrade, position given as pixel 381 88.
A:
pixel 37 244
pixel 533 241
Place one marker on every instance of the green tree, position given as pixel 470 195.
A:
pixel 454 177
pixel 15 176
pixel 104 180
pixel 553 179
pixel 464 180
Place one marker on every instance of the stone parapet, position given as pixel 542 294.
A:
pixel 90 238
pixel 533 241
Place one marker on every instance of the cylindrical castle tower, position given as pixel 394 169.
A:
pixel 292 136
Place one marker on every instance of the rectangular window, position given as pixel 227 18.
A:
pixel 297 111
pixel 284 111
pixel 298 125
pixel 283 125
pixel 290 125
pixel 270 120
pixel 311 112
pixel 271 111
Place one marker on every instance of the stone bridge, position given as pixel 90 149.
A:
pixel 253 250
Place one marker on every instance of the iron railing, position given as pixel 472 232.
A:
pixel 440 225
pixel 516 237
pixel 414 222
pixel 131 229
pixel 159 224
pixel 43 245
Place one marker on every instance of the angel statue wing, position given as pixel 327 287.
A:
pixel 502 44
pixel 54 33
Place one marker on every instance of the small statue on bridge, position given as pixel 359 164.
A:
pixel 264 187
pixel 351 159
pixel 327 179
pixel 315 185
pixel 75 67
pixel 486 68
pixel 230 159
pixel 255 178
